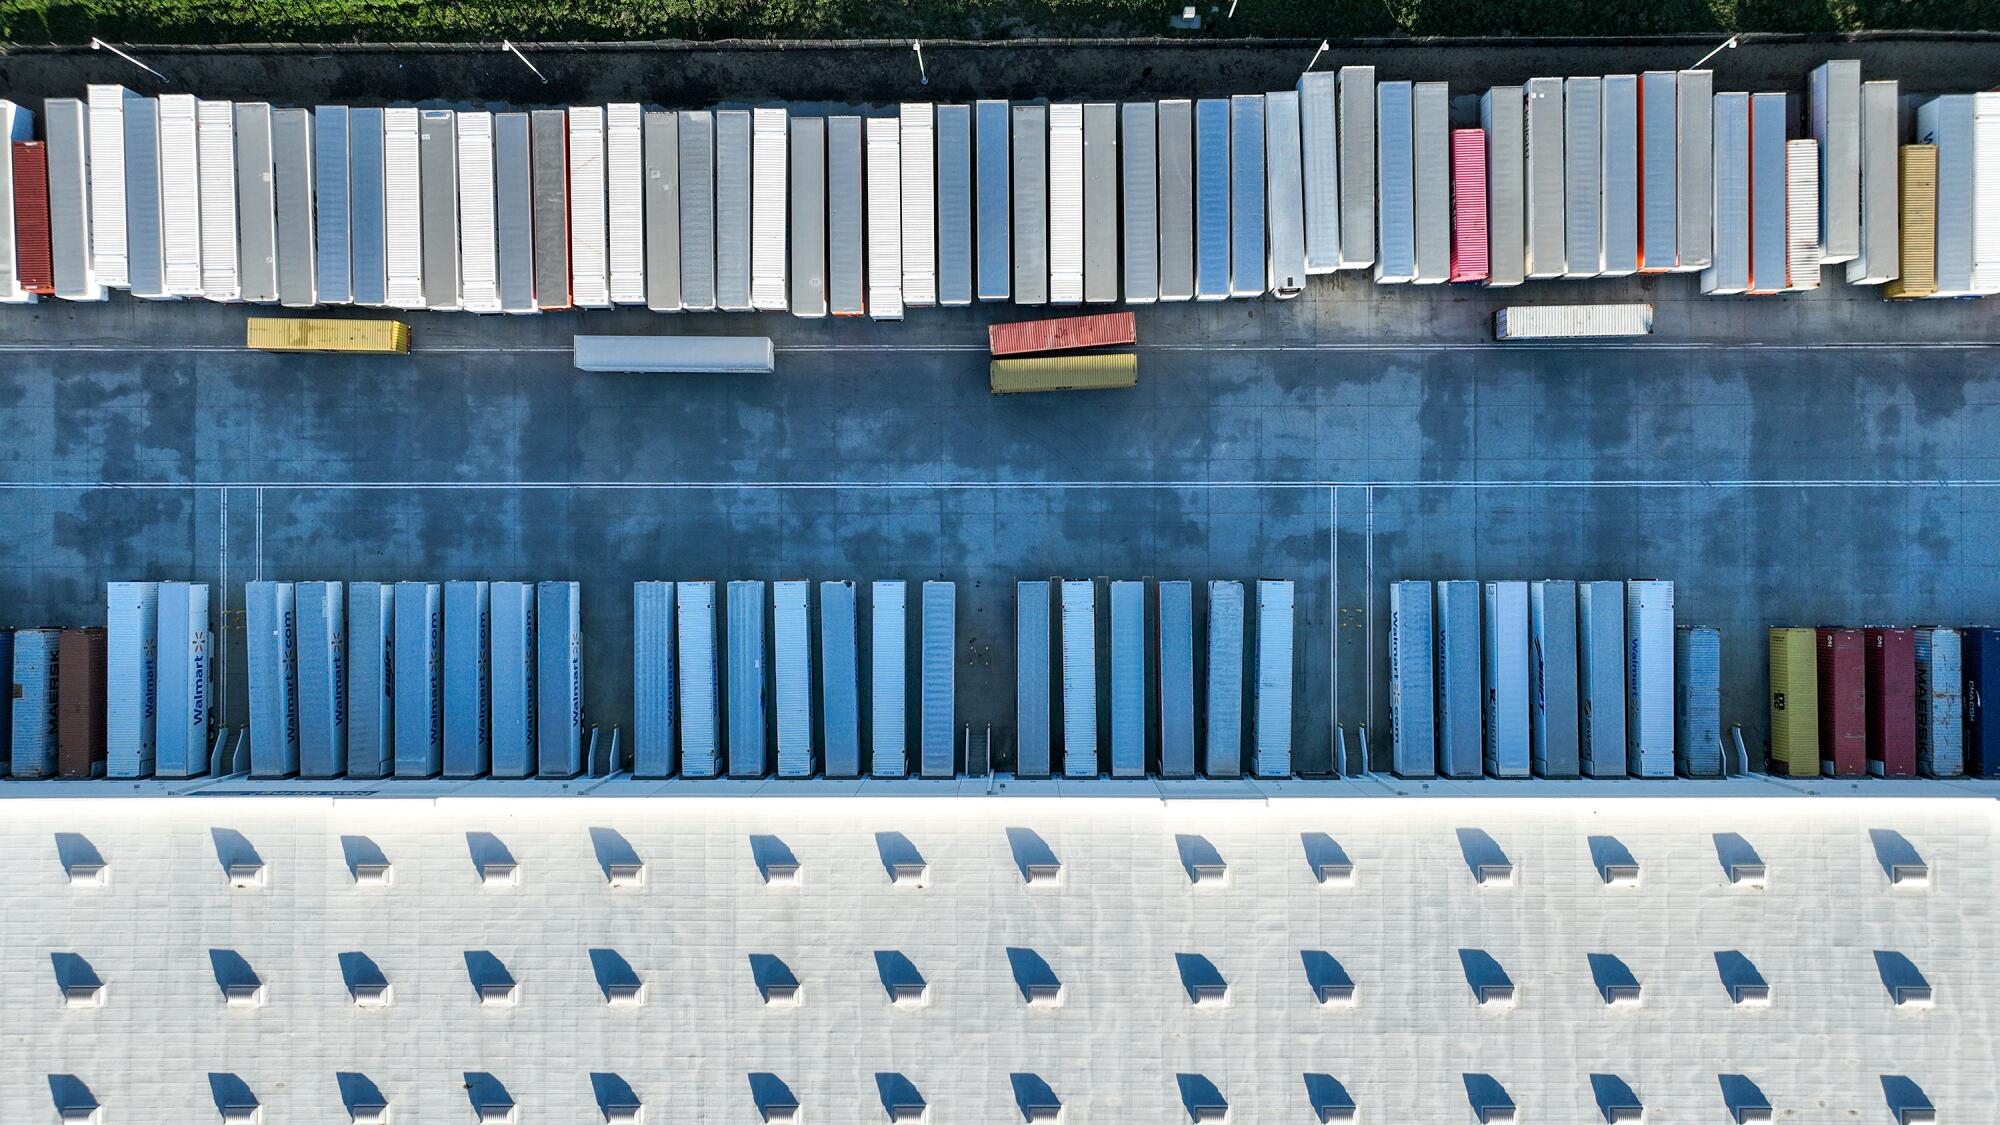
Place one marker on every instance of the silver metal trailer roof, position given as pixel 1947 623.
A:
pixel 791 675
pixel 1729 268
pixel 468 613
pixel 1319 165
pixel 694 643
pixel 995 202
pixel 292 165
pixel 589 265
pixel 769 142
pixel 256 205
pixel 1583 177
pixel 437 144
pixel 840 692
pixel 367 251
pixel 1430 159
pixel 403 214
pixel 1140 199
pixel 625 197
pixel 1100 202
pixel 1802 225
pixel 1659 177
pixel 1177 224
pixel 1032 648
pixel 370 701
pixel 215 126
pixel 1620 174
pixel 1543 186
pixel 888 667
pixel 180 196
pixel 1501 111
pixel 1461 752
pixel 549 143
pixel 558 680
pixel 1986 191
pixel 1129 734
pixel 1284 195
pixel 1079 678
pixel 106 164
pixel 653 678
pixel 514 212
pixel 146 262
pixel 1769 128
pixel 322 676
pixel 478 223
pixel 1695 196
pixel 1224 755
pixel 1396 247
pixel 1031 204
pixel 940 684
pixel 334 253
pixel 270 634
pixel 1880 124
pixel 1066 203
pixel 1272 725
pixel 885 219
pixel 1413 748
pixel 1947 122
pixel 1357 146
pixel 846 199
pixel 917 156
pixel 1834 110
pixel 1552 677
pixel 697 140
pixel 417 680
pixel 1649 640
pixel 954 207
pixel 1176 664
pixel 181 674
pixel 1698 701
pixel 1247 261
pixel 1601 671
pixel 1504 670
pixel 676 355
pixel 808 216
pixel 1211 190
pixel 66 127
pixel 662 205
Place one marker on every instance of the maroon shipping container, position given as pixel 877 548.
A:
pixel 33 265
pixel 80 703
pixel 1843 703
pixel 1065 334
pixel 1892 702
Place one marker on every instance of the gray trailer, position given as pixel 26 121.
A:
pixel 1543 186
pixel 468 740
pixel 418 679
pixel 840 683
pixel 1247 262
pixel 1396 247
pixel 256 205
pixel 674 355
pixel 1504 671
pixel 271 635
pixel 1356 144
pixel 700 705
pixel 846 197
pixel 322 676
pixel 1501 113
pixel 1319 164
pixel 1129 735
pixel 1079 678
pixel 1459 691
pixel 367 203
pixel 791 675
pixel 145 234
pixel 1271 754
pixel 1834 110
pixel 1413 746
pixel 939 720
pixel 1177 211
pixel 333 253
pixel 1430 159
pixel 660 141
pixel 513 212
pixel 888 679
pixel 371 702
pixel 1031 204
pixel 1100 202
pixel 1032 709
pixel 549 141
pixel 1552 677
pixel 954 205
pixel 1224 754
pixel 437 142
pixel 1770 128
pixel 1176 664
pixel 1878 258
pixel 1284 195
pixel 747 711
pixel 807 167
pixel 994 199
pixel 292 171
pixel 652 679
pixel 1583 177
pixel 1728 270
pixel 1211 192
pixel 1659 177
pixel 1619 173
pixel 1694 197
pixel 65 124
pixel 697 140
pixel 732 210
pixel 1600 652
pixel 1140 199
pixel 558 680
pixel 1698 701
pixel 512 638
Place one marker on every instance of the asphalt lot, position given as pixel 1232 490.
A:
pixel 1797 460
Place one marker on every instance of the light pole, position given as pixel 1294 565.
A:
pixel 508 45
pixel 97 44
pixel 1727 44
pixel 923 75
pixel 1317 54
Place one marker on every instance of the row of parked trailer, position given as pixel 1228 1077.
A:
pixel 1030 202
pixel 1884 701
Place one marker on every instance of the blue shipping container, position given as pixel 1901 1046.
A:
pixel 791 673
pixel 513 668
pixel 694 637
pixel 1079 678
pixel 1459 691
pixel 1980 652
pixel 322 662
pixel 1177 679
pixel 468 744
pixel 132 617
pixel 1940 704
pixel 182 674
pixel 1031 679
pixel 652 679
pixel 271 635
pixel 1225 680
pixel 419 679
pixel 34 704
pixel 840 679
pixel 888 665
pixel 1275 627
pixel 558 680
pixel 1128 679
pixel 940 705
pixel 371 660
pixel 749 752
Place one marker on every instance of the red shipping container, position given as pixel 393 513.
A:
pixel 80 703
pixel 1065 334
pixel 33 265
pixel 1892 702
pixel 1843 703
pixel 1468 205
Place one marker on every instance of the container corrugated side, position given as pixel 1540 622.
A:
pixel 791 675
pixel 1079 678
pixel 132 623
pixel 1271 742
pixel 1534 322
pixel 846 199
pixel 106 161
pixel 917 195
pixel 955 204
pixel 1600 653
pixel 418 679
pixel 1543 184
pixel 697 171
pixel 885 219
pixel 1940 703
pixel 479 232
pixel 1356 150
pixel 1694 194
pixel 770 144
pixel 807 199
pixel 652 679
pixel 1619 174
pixel 1769 122
pixel 1729 268
pixel 1552 678
pixel 840 699
pixel 1843 703
pixel 1986 192
pixel 1413 745
pixel 1470 237
pixel 1649 677
pixel 1396 208
pixel 1834 112
pixel 367 200
pixel 1802 226
pixel 1583 177
pixel 292 168
pixel 625 192
pixel 180 194
pixel 65 128
pixel 1503 669
pixel 1284 198
pixel 1980 657
pixel 1892 702
pixel 1502 112
pixel 1140 199
pixel 322 617
pixel 371 655
pixel 468 680
pixel 589 267
pixel 1032 710
pixel 558 680
pixel 940 683
pixel 548 141
pixel 1460 695
pixel 1247 262
pixel 1211 194
pixel 1129 734
pixel 1031 205
pixel 437 147
pixel 1100 202
pixel 888 677
pixel 402 210
pixel 80 703
pixel 661 142
pixel 271 639
pixel 1698 701
pixel 33 704
pixel 1659 172
pixel 694 642
pixel 1319 165
pixel 1880 129
pixel 1223 756
pixel 1794 702
pixel 1176 684
pixel 334 258
pixel 257 204
pixel 146 270
pixel 1066 203
pixel 673 354
pixel 28 172
pixel 1430 157
pixel 992 165
pixel 1177 199
pixel 1916 237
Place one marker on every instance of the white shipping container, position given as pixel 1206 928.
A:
pixel 1583 177
pixel 1356 149
pixel 1802 224
pixel 1729 268
pixel 1620 174
pixel 16 124
pixel 1649 679
pixel 769 140
pixel 1543 185
pixel 1284 201
pixel 1139 153
pixel 1566 322
pixel 1879 258
pixel 625 197
pixel 885 219
pixel 107 183
pixel 215 129
pixel 1769 123
pixel 590 277
pixel 1659 179
pixel 1834 104
pixel 1430 157
pixel 1694 195
pixel 1947 123
pixel 1319 165
pixel 1247 261
pixel 478 231
pixel 1066 203
pixel 180 194
pixel 66 124
pixel 256 204
pixel 1501 111
pixel 1986 192
pixel 917 136
pixel 402 211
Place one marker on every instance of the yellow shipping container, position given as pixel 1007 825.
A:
pixel 293 334
pixel 1795 702
pixel 1063 373
pixel 1916 185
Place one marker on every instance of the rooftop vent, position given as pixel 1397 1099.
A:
pixel 1907 1101
pixel 1899 859
pixel 366 984
pixel 616 1100
pixel 1327 861
pixel 77 981
pixel 81 862
pixel 234 1101
pixel 1491 987
pixel 1331 985
pixel 1489 865
pixel 1202 980
pixel 1615 982
pixel 75 1104
pixel 1037 1102
pixel 900 858
pixel 1616 1100
pixel 1204 1103
pixel 365 1102
pixel 492 985
pixel 242 867
pixel 1040 988
pixel 1746 1103
pixel 901 1099
pixel 81 1115
pixel 619 860
pixel 1490 1102
pixel 775 1102
pixel 775 980
pixel 492 861
pixel 1201 861
pixel 775 861
pixel 617 979
pixel 1746 986
pixel 239 983
pixel 1331 1103
pixel 1614 863
pixel 1037 861
pixel 1904 981
pixel 491 1103
pixel 906 987
pixel 366 864
pixel 1740 861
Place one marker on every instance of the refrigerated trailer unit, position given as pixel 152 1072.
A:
pixel 1694 158
pixel 769 145
pixel 215 150
pixel 1659 174
pixel 334 253
pixel 1355 146
pixel 1140 196
pixel 66 126
pixel 1271 725
pixel 437 146
pixel 939 719
pixel 1459 693
pixel 479 234
pixel 1769 122
pixel 132 644
pixel 1843 703
pixel 846 200
pixel 1031 205
pixel 652 679
pixel 1284 199
pixel 1430 160
pixel 1649 678
pixel 402 209
pixel 1880 128
pixel 1469 235
pixel 1698 701
pixel 1177 199
pixel 1066 203
pixel 1224 755
pixel 917 195
pixel 106 181
pixel 1211 193
pixel 1247 262
pixel 1501 111
pixel 590 276
pixel 1413 746
pixel 955 205
pixel 1504 672
pixel 1176 694
pixel 1543 184
pixel 888 678
pixel 270 631
pixel 1940 703
pixel 548 141
pixel 1619 174
pixel 1079 677
pixel 1600 665
pixel 183 688
pixel 514 212
pixel 367 199
pixel 1834 112
pixel 840 699
pixel 1552 678
pixel 145 253
pixel 292 169
pixel 418 679
pixel 791 675
pixel 1802 198
pixel 1032 709
pixel 1891 662
pixel 885 219
pixel 1583 177
pixel 1794 681
pixel 371 700
pixel 1396 246
pixel 558 680
pixel 697 179
pixel 694 644
pixel 806 270
pixel 1100 202
pixel 994 195
pixel 180 194
pixel 1319 166
pixel 1729 265
pixel 625 199
pixel 661 143
pixel 468 680
pixel 322 670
